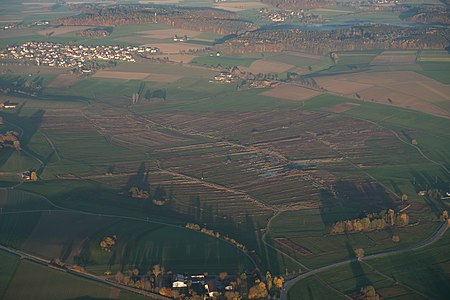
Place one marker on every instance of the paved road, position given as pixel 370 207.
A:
pixel 436 236
pixel 46 263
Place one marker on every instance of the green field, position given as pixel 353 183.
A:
pixel 8 265
pixel 395 277
pixel 63 286
pixel 223 61
pixel 272 174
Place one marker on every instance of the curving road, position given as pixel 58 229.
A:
pixel 436 236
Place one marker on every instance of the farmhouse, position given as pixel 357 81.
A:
pixel 179 281
pixel 177 38
pixel 8 105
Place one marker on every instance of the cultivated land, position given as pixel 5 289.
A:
pixel 402 88
pixel 292 92
pixel 272 168
pixel 267 66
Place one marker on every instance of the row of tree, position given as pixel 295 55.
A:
pixel 213 233
pixel 10 139
pixel 372 221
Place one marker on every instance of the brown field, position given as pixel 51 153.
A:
pixel 332 10
pixel 305 55
pixel 319 139
pixel 404 88
pixel 185 58
pixel 169 33
pixel 156 77
pixel 342 107
pixel 164 78
pixel 267 66
pixel 121 75
pixel 62 30
pixel 291 92
pixel 64 81
pixel 239 6
pixel 159 1
pixel 355 54
pixel 175 48
pixel 342 87
pixel 394 60
pixel 34 70
pixel 184 70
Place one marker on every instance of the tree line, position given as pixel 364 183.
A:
pixel 220 22
pixel 371 221
pixel 360 37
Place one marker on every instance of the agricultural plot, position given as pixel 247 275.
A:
pixel 311 288
pixel 170 33
pixel 438 71
pixel 175 48
pixel 312 230
pixel 165 78
pixel 165 69
pixel 433 56
pixel 392 277
pixel 351 278
pixel 63 81
pixel 224 61
pixel 8 265
pixel 297 59
pixel 291 92
pixel 268 66
pixel 61 235
pixel 61 30
pixel 237 6
pixel 394 57
pixel 43 283
pixel 404 89
pixel 16 201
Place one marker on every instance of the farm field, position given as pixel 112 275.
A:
pixel 137 76
pixel 291 92
pixel 8 265
pixel 392 277
pixel 214 61
pixel 404 89
pixel 268 66
pixel 236 6
pixel 181 160
pixel 64 286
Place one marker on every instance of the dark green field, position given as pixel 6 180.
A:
pixel 417 275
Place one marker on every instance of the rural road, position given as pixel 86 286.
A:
pixel 46 263
pixel 436 236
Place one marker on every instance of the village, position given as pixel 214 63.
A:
pixel 78 57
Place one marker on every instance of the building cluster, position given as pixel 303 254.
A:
pixel 183 38
pixel 204 285
pixel 72 56
pixel 254 81
pixel 279 16
pixel 20 25
pixel 225 77
pixel 7 105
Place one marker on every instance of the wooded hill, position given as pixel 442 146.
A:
pixel 210 20
pixel 290 4
pixel 361 37
pixel 430 15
